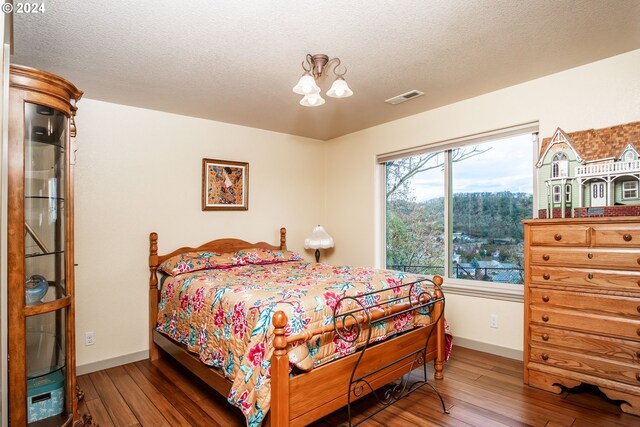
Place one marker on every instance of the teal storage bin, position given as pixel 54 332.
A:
pixel 45 396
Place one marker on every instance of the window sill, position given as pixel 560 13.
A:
pixel 500 292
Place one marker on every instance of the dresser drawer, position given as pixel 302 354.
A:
pixel 623 235
pixel 607 347
pixel 571 235
pixel 609 325
pixel 626 259
pixel 618 306
pixel 596 280
pixel 580 362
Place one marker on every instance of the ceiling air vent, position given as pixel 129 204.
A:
pixel 404 97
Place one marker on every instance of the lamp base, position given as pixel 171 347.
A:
pixel 317 255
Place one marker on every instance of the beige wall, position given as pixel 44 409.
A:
pixel 600 94
pixel 140 171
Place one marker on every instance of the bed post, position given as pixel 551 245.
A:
pixel 440 340
pixel 283 238
pixel 154 352
pixel 279 415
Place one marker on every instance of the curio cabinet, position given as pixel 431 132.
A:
pixel 41 341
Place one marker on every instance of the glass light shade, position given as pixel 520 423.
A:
pixel 339 89
pixel 306 85
pixel 312 100
pixel 319 239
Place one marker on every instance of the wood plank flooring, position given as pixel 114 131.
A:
pixel 480 389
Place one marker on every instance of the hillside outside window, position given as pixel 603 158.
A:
pixel 452 212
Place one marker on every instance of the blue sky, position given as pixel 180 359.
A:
pixel 507 166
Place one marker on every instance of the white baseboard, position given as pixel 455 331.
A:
pixel 488 348
pixel 111 363
pixel 141 355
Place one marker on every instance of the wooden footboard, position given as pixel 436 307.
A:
pixel 307 397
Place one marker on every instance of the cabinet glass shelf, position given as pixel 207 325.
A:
pixel 33 255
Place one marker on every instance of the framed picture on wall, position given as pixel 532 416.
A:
pixel 225 185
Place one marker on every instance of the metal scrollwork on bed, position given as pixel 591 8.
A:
pixel 420 297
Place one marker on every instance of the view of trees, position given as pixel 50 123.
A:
pixel 486 225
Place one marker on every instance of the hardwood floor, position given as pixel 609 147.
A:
pixel 480 389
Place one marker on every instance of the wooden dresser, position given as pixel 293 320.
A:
pixel 582 306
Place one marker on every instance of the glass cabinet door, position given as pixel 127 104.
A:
pixel 45 170
pixel 45 176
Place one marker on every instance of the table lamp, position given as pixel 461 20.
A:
pixel 319 239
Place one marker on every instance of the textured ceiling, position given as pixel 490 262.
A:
pixel 236 61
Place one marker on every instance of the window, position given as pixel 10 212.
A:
pixel 628 156
pixel 415 214
pixel 567 194
pixel 560 166
pixel 630 190
pixel 454 213
pixel 556 194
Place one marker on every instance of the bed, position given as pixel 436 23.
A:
pixel 248 320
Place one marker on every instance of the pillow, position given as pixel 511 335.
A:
pixel 202 260
pixel 261 256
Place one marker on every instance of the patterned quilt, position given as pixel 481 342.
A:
pixel 224 315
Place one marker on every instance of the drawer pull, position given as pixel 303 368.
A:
pixel 545 257
pixel 589 255
pixel 546 276
pixel 590 275
pixel 545 298
pixel 545 337
pixel 545 357
pixel 558 237
pixel 638 355
pixel 638 332
pixel 545 318
pixel 638 260
pixel 639 309
pixel 638 376
pixel 627 237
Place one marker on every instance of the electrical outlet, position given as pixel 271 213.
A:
pixel 493 321
pixel 89 338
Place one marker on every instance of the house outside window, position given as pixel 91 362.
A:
pixel 560 166
pixel 453 213
pixel 628 156
pixel 557 194
pixel 567 192
pixel 630 190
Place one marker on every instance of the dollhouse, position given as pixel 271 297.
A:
pixel 593 172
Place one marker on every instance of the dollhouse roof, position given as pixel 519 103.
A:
pixel 599 144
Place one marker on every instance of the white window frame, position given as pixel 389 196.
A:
pixel 634 188
pixel 557 194
pixel 628 156
pixel 476 288
pixel 560 166
pixel 567 194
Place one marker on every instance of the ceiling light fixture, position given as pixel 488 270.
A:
pixel 314 67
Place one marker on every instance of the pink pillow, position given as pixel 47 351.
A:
pixel 202 260
pixel 266 256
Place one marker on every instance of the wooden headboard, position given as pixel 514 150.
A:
pixel 219 245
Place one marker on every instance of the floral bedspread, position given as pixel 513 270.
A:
pixel 224 315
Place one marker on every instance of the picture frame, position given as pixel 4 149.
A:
pixel 225 185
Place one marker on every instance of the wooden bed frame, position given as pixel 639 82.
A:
pixel 307 397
